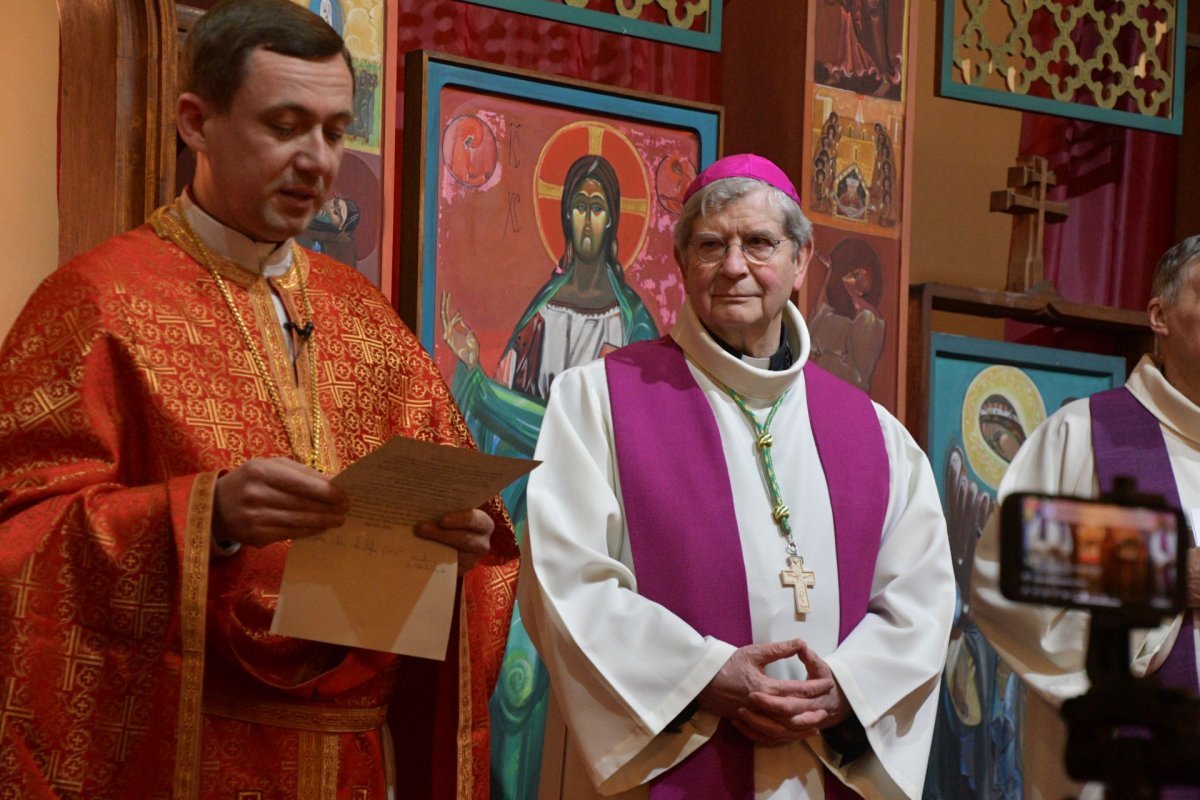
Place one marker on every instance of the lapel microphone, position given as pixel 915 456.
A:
pixel 303 331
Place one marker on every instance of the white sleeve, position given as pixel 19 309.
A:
pixel 621 666
pixel 890 665
pixel 1047 645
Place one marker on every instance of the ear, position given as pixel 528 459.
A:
pixel 681 261
pixel 1157 309
pixel 804 254
pixel 191 114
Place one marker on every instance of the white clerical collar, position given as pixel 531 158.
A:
pixel 264 258
pixel 1172 408
pixel 744 377
pixel 757 363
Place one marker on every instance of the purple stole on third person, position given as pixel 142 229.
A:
pixel 1127 440
pixel 684 536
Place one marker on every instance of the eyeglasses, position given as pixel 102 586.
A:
pixel 758 249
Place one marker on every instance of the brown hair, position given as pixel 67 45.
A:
pixel 216 49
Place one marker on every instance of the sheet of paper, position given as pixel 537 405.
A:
pixel 373 583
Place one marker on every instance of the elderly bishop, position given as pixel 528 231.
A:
pixel 736 568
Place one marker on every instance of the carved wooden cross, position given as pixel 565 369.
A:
pixel 801 580
pixel 1025 199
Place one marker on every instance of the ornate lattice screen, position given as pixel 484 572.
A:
pixel 695 23
pixel 1114 61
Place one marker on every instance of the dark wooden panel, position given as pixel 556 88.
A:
pixel 1128 331
pixel 116 117
pixel 762 81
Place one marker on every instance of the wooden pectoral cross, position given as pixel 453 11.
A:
pixel 801 580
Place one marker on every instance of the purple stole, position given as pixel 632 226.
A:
pixel 684 537
pixel 1127 440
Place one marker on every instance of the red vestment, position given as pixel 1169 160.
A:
pixel 133 662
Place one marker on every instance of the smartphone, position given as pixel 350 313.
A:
pixel 1095 554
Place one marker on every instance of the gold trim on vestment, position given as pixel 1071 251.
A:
pixel 166 223
pixel 282 378
pixel 298 372
pixel 466 752
pixel 319 729
pixel 290 377
pixel 192 615
pixel 294 715
pixel 319 756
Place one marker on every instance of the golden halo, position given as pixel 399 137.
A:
pixel 962 682
pixel 562 149
pixel 1021 393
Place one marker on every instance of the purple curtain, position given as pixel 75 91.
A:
pixel 1119 184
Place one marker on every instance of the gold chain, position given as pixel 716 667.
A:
pixel 180 229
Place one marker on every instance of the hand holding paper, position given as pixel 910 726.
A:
pixel 373 583
pixel 266 500
pixel 468 532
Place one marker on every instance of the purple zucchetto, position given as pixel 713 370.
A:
pixel 743 165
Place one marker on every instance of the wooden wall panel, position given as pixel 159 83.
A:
pixel 116 127
pixel 763 70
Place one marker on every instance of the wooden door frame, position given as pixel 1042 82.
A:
pixel 116 116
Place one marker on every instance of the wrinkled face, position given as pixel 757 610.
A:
pixel 265 167
pixel 739 300
pixel 589 219
pixel 1176 329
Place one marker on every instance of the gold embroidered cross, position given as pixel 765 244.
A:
pixel 801 580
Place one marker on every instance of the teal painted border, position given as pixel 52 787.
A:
pixel 706 124
pixel 701 40
pixel 945 348
pixel 1172 124
pixel 1057 373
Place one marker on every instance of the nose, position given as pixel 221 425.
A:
pixel 317 155
pixel 733 263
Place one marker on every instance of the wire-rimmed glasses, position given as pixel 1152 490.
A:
pixel 758 249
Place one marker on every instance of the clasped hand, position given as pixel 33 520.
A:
pixel 266 500
pixel 771 711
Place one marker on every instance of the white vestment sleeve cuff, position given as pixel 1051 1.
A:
pixel 647 753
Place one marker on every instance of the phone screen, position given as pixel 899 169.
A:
pixel 1068 551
